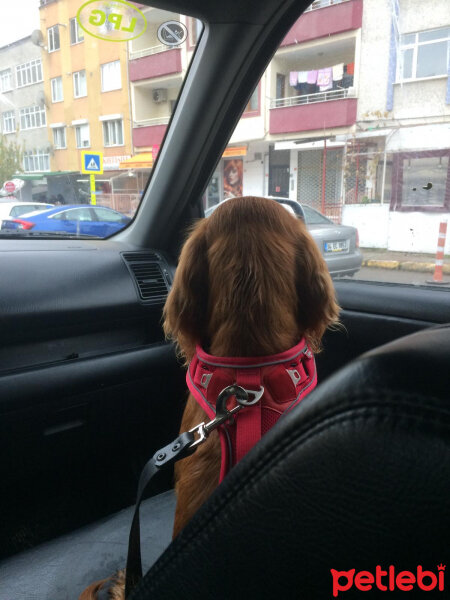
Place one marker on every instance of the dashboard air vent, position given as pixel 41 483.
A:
pixel 148 275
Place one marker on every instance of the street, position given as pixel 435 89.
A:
pixel 397 276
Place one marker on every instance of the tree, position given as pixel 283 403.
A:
pixel 11 155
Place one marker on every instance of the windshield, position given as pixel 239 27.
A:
pixel 87 90
pixel 351 120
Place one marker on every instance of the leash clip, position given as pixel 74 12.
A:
pixel 223 414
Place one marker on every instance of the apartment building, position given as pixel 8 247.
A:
pixel 23 111
pixel 87 96
pixel 402 134
pixel 352 117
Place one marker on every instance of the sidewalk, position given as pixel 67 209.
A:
pixel 403 261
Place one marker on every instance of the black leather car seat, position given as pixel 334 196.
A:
pixel 357 477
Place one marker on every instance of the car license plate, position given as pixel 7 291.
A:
pixel 340 246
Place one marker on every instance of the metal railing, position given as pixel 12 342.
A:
pixel 323 3
pixel 150 122
pixel 148 51
pixel 127 204
pixel 311 98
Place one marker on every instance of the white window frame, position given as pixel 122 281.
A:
pixel 57 89
pixel 9 121
pixel 36 161
pixel 29 73
pixel 76 33
pixel 112 130
pixel 52 39
pixel 105 70
pixel 76 83
pixel 32 117
pixel 79 138
pixel 6 83
pixel 404 46
pixel 59 138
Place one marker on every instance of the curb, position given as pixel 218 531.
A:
pixel 404 266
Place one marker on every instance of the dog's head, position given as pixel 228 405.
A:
pixel 250 281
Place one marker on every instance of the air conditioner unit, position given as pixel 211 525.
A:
pixel 159 95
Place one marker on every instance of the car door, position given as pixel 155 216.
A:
pixel 89 385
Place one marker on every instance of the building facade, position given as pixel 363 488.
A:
pixel 24 112
pixel 87 95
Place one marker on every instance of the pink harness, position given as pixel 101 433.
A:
pixel 286 377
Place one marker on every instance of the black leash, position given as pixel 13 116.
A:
pixel 181 447
pixel 184 445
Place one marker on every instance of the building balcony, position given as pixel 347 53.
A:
pixel 152 62
pixel 324 110
pixel 149 132
pixel 325 18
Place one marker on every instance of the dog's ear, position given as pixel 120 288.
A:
pixel 186 309
pixel 317 306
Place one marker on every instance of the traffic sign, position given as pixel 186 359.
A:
pixel 92 162
pixel 172 33
pixel 9 186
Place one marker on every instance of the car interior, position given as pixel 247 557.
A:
pixel 358 476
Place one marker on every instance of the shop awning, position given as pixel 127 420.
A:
pixel 139 161
pixel 235 151
pixel 29 176
pixel 144 160
pixel 38 176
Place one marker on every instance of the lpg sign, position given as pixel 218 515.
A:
pixel 112 20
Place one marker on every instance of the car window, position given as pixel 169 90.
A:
pixel 312 217
pixel 87 91
pixel 350 119
pixel 18 210
pixel 103 214
pixel 74 214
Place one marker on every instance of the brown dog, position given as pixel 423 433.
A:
pixel 250 282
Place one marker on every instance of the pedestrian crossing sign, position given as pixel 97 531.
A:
pixel 92 162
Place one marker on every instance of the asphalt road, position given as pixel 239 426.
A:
pixel 395 276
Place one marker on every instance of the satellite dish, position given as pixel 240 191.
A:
pixel 37 38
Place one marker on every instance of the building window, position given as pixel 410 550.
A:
pixel 253 104
pixel 28 73
pixel 79 84
pixel 32 117
pixel 5 80
pixel 82 136
pixel 57 89
pixel 9 122
pixel 280 86
pixel 421 181
pixel 36 161
pixel 111 77
pixel 59 138
pixel 113 132
pixel 424 54
pixel 76 33
pixel 53 38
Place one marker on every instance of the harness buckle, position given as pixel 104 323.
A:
pixel 223 414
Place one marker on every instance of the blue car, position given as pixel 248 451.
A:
pixel 74 219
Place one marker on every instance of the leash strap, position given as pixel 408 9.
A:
pixel 178 449
pixel 184 445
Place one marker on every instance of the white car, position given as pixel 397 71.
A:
pixel 13 210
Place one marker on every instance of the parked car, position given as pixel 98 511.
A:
pixel 77 219
pixel 13 209
pixel 339 244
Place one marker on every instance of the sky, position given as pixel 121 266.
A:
pixel 18 18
